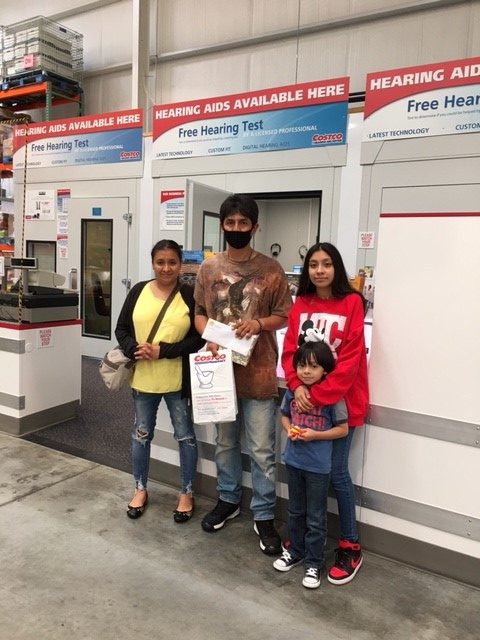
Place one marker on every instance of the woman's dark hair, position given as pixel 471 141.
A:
pixel 236 203
pixel 341 286
pixel 318 352
pixel 163 245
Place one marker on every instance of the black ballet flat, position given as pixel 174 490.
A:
pixel 136 512
pixel 183 516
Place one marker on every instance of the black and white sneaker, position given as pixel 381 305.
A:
pixel 286 561
pixel 270 541
pixel 312 578
pixel 217 517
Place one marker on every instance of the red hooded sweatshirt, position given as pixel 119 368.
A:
pixel 342 322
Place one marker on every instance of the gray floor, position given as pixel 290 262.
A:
pixel 73 566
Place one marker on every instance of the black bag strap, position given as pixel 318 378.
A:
pixel 162 313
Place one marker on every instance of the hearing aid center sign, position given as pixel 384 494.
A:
pixel 436 99
pixel 105 138
pixel 213 387
pixel 307 115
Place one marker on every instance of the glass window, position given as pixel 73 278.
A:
pixel 96 278
pixel 45 252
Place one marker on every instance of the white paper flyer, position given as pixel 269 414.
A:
pixel 224 335
pixel 213 387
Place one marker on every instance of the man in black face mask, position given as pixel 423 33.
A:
pixel 249 291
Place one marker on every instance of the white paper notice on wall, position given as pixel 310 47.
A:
pixel 45 338
pixel 214 398
pixel 172 210
pixel 40 205
pixel 366 240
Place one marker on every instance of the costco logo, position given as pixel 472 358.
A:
pixel 209 358
pixel 324 138
pixel 130 155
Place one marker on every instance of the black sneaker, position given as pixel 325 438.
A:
pixel 286 561
pixel 270 541
pixel 312 578
pixel 217 517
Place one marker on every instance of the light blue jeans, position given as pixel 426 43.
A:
pixel 146 407
pixel 258 418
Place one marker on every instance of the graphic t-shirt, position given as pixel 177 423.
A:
pixel 316 455
pixel 229 291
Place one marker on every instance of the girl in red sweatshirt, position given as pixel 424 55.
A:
pixel 327 306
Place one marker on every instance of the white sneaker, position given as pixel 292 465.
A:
pixel 286 561
pixel 312 578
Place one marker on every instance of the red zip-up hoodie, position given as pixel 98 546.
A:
pixel 342 322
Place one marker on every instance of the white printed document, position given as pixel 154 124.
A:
pixel 224 335
pixel 214 398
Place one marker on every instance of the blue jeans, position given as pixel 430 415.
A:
pixel 307 515
pixel 146 407
pixel 343 487
pixel 258 418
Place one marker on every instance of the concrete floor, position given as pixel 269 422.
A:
pixel 73 566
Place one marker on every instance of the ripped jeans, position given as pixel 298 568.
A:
pixel 146 407
pixel 258 417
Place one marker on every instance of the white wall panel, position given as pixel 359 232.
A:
pixel 382 45
pixel 443 35
pixel 23 9
pixel 203 77
pixel 422 469
pixel 108 92
pixel 420 375
pixel 420 532
pixel 107 34
pixel 184 24
pixel 474 29
pixel 312 11
pixel 273 65
pixel 323 56
pixel 366 6
pixel 273 15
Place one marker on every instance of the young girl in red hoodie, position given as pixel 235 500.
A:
pixel 327 304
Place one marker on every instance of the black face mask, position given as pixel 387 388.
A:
pixel 238 239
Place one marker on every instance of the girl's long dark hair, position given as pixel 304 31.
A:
pixel 341 286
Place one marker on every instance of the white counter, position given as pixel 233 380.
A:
pixel 40 381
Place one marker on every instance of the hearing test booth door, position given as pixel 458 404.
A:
pixel 419 497
pixel 97 266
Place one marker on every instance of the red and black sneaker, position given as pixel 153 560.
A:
pixel 348 560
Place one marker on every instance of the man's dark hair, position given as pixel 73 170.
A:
pixel 237 203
